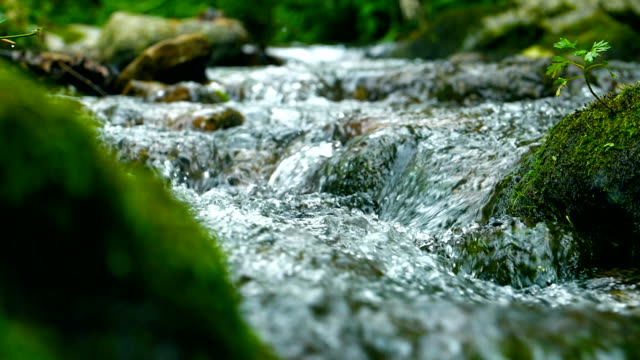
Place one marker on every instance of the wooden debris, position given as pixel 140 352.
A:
pixel 86 75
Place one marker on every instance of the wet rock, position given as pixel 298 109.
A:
pixel 131 112
pixel 512 79
pixel 126 35
pixel 210 93
pixel 74 39
pixel 508 252
pixel 587 175
pixel 246 55
pixel 463 79
pixel 402 83
pixel 183 58
pixel 365 163
pixel 240 156
pixel 189 158
pixel 357 125
pixel 106 264
pixel 208 120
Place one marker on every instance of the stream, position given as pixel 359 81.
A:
pixel 350 205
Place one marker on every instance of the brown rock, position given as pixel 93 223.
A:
pixel 208 120
pixel 153 91
pixel 126 35
pixel 182 58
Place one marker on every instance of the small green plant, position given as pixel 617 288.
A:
pixel 559 63
pixel 7 38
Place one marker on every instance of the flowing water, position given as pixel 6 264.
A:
pixel 350 204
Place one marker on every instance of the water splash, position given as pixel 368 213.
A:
pixel 399 269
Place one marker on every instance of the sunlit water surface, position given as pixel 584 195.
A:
pixel 388 270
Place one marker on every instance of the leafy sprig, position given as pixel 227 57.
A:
pixel 559 63
pixel 7 37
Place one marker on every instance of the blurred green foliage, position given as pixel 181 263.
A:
pixel 269 21
pixel 105 263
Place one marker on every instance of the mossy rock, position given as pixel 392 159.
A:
pixel 443 36
pixel 103 264
pixel 125 35
pixel 587 174
pixel 508 252
pixel 600 26
pixel 529 23
pixel 366 162
pixel 183 58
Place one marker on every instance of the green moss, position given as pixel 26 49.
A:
pixel 587 174
pixel 220 96
pixel 68 33
pixel 20 341
pixel 109 262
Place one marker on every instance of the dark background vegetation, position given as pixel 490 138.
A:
pixel 269 21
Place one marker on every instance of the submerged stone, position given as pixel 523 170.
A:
pixel 102 264
pixel 509 252
pixel 366 162
pixel 153 91
pixel 209 120
pixel 130 112
pixel 514 78
pixel 587 174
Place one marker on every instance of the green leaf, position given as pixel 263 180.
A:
pixel 581 53
pixel 555 68
pixel 558 59
pixel 562 82
pixel 600 46
pixel 597 47
pixel 591 55
pixel 564 44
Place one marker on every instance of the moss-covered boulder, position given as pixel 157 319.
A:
pixel 183 58
pixel 444 35
pixel 73 39
pixel 541 22
pixel 587 174
pixel 126 35
pixel 98 263
pixel 521 26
